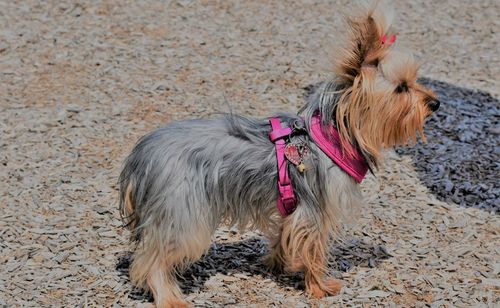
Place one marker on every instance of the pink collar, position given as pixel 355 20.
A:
pixel 329 143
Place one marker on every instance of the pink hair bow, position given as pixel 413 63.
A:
pixel 389 40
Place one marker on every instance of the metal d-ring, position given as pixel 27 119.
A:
pixel 298 125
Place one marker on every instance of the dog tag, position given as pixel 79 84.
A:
pixel 295 153
pixel 292 154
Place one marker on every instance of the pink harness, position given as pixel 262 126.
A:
pixel 355 166
pixel 286 200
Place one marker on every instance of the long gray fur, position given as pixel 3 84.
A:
pixel 197 173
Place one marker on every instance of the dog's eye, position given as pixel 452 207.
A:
pixel 402 87
pixel 374 62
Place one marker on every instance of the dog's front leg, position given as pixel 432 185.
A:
pixel 304 247
pixel 317 281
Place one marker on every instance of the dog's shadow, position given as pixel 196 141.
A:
pixel 246 257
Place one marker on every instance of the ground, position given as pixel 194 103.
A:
pixel 81 81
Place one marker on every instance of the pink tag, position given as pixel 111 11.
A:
pixel 292 153
pixel 295 153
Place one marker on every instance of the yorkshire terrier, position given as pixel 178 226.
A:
pixel 294 177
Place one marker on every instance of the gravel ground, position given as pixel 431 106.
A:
pixel 81 81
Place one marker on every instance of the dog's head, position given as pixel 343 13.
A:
pixel 380 102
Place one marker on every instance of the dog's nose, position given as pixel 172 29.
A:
pixel 434 105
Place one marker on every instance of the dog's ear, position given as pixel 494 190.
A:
pixel 366 42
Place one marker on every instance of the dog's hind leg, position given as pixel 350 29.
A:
pixel 304 247
pixel 159 258
pixel 162 283
pixel 155 271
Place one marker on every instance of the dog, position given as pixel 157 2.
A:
pixel 294 177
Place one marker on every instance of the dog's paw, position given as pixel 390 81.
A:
pixel 333 286
pixel 329 287
pixel 173 303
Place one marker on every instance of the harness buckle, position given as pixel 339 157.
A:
pixel 287 197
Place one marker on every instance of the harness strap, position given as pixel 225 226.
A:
pixel 287 201
pixel 355 164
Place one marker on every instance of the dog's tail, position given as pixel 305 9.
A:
pixel 127 204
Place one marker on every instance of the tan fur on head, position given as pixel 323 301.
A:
pixel 363 46
pixel 381 104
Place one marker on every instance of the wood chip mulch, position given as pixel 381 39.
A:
pixel 81 81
